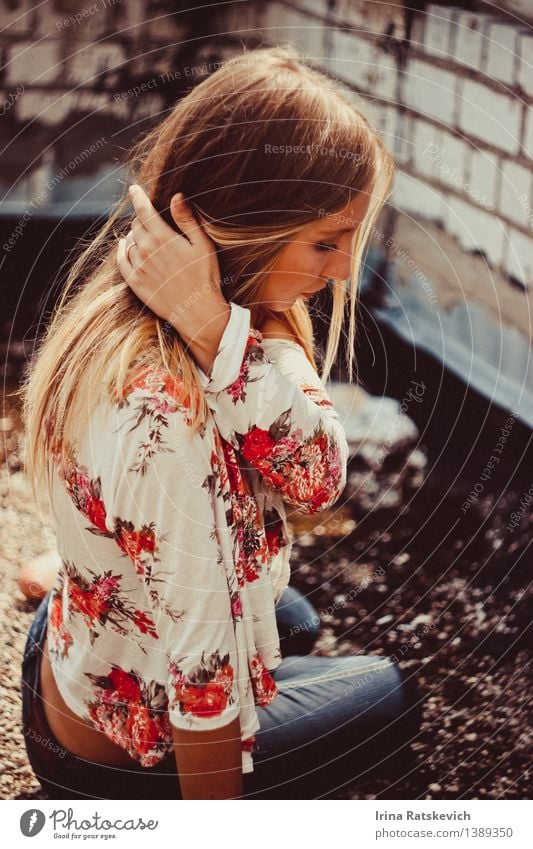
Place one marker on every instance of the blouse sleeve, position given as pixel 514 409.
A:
pixel 162 517
pixel 270 404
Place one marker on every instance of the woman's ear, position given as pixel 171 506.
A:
pixel 176 208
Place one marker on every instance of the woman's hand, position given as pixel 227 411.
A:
pixel 177 277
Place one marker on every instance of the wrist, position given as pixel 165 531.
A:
pixel 204 343
pixel 202 326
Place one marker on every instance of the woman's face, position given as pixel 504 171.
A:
pixel 321 250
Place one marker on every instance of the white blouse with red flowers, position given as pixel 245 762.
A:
pixel 175 547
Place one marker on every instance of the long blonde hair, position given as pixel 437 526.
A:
pixel 218 146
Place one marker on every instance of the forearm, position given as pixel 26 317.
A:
pixel 278 415
pixel 209 763
pixel 203 344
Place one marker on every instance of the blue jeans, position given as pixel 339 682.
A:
pixel 333 720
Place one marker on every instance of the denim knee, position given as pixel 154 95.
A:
pixel 298 623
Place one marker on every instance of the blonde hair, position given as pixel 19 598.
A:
pixel 215 146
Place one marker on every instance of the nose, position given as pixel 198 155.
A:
pixel 339 262
pixel 338 266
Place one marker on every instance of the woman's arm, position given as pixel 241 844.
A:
pixel 209 762
pixel 276 413
pixel 176 276
pixel 283 424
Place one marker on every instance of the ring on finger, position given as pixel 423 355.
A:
pixel 132 244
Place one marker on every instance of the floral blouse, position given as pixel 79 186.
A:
pixel 175 547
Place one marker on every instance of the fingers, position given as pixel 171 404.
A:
pixel 153 223
pixel 182 215
pixel 147 213
pixel 125 259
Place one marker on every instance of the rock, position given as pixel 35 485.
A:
pixel 375 426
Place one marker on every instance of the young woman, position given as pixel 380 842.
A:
pixel 175 412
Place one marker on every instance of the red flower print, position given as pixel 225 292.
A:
pixel 101 603
pixel 236 605
pixel 147 539
pixel 207 690
pixel 322 441
pixel 248 744
pixel 89 602
pixel 274 531
pixel 163 395
pixel 85 492
pixel 273 536
pixel 237 482
pixel 257 444
pixel 173 387
pixel 61 640
pixel 132 713
pixel 143 730
pixel 224 676
pixel 125 685
pixel 96 513
pixel 134 542
pixel 56 617
pixel 263 685
pixel 144 624
pixel 206 701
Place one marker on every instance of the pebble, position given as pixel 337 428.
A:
pixel 385 619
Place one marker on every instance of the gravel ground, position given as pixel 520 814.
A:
pixel 396 569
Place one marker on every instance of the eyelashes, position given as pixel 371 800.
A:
pixel 320 246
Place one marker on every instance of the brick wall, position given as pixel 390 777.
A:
pixel 449 88
pixel 451 91
pixel 80 80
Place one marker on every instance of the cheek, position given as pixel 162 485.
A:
pixel 304 260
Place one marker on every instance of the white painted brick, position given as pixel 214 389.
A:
pixel 515 195
pixel 49 107
pixel 430 90
pixel 477 229
pixel 490 116
pixel 317 7
pixel 78 21
pixel 418 28
pixel 437 35
pixel 403 147
pixel 501 52
pixel 281 24
pixel 41 177
pixel 149 104
pixel 424 147
pixel 528 133
pixel 366 17
pixel 389 125
pixel 484 173
pixel 449 160
pixel 96 101
pixel 239 17
pixel 380 117
pixel 470 38
pixel 381 76
pixel 519 257
pixel 416 197
pixel 351 57
pixel 34 63
pixel 17 20
pixel 525 52
pixel 400 143
pixel 86 65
